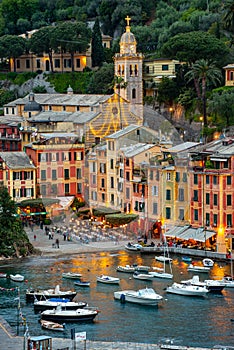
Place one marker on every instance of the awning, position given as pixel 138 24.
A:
pixel 176 231
pixel 218 159
pixel 186 232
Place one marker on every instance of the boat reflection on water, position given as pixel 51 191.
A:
pixel 127 322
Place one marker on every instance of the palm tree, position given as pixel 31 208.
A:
pixel 203 72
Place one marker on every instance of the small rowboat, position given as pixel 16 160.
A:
pixel 82 283
pixel 71 275
pixel 53 326
pixel 3 275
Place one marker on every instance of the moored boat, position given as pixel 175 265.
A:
pixel 3 275
pixel 228 281
pixel 79 315
pixel 71 275
pixel 31 294
pixel 126 268
pixel 143 276
pixel 163 258
pixel 52 326
pixel 82 283
pixel 196 268
pixel 146 296
pixel 187 290
pixel 17 278
pixel 134 247
pixel 208 262
pixel 66 304
pixel 212 285
pixel 186 259
pixel 108 279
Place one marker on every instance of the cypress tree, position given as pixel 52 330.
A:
pixel 97 54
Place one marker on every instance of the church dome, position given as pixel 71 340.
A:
pixel 128 38
pixel 128 41
pixel 32 105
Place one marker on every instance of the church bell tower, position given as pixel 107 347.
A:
pixel 128 71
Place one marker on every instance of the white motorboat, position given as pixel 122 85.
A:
pixel 79 315
pixel 126 268
pixel 143 276
pixel 52 326
pixel 142 268
pixel 80 283
pixel 163 258
pixel 196 268
pixel 187 290
pixel 17 278
pixel 212 285
pixel 71 275
pixel 31 294
pixel 53 303
pixel 208 262
pixel 108 279
pixel 146 296
pixel 134 247
pixel 161 274
pixel 228 281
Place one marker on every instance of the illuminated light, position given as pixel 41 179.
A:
pixel 221 231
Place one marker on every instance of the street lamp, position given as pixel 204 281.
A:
pixel 171 110
pixel 202 125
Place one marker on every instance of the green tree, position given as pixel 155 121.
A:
pixel 11 47
pixel 101 81
pixel 167 91
pixel 13 239
pixel 221 106
pixel 228 19
pixel 203 72
pixel 97 48
pixel 41 41
pixel 72 37
pixel 190 47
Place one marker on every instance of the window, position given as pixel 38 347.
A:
pixel 57 63
pixel 133 93
pixel 155 208
pixel 17 63
pixel 38 63
pixel 127 193
pixel 165 67
pixel 112 163
pixel 78 173
pixel 168 213
pixel 66 174
pixel 151 175
pixel 136 206
pixel 112 182
pixel 207 179
pixel 195 179
pixel 215 199
pixel 184 177
pixel 102 168
pixel 127 176
pixel 111 146
pixel 215 180
pixel 67 189
pixel 177 177
pixel 229 180
pixel 141 206
pixel 215 220
pixel 181 195
pixel 112 199
pixel 207 198
pixel 54 174
pixel 181 214
pixel 229 199
pixel 67 63
pixel 29 192
pixel 43 190
pixel 154 190
pixel 28 175
pixel 168 176
pixel 79 187
pixel 77 63
pixel 121 173
pixel 102 183
pixel 127 161
pixel 195 195
pixel 43 174
pixel 207 219
pixel 195 214
pixel 168 195
pixel 103 197
pixel 94 179
pixel 27 63
pixel 229 220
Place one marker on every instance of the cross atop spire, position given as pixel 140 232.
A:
pixel 128 19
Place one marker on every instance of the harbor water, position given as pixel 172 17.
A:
pixel 183 321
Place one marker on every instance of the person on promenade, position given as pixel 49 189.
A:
pixel 57 242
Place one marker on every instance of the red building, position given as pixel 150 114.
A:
pixel 10 139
